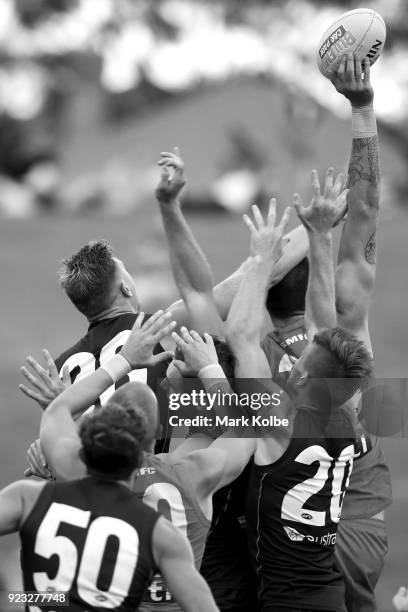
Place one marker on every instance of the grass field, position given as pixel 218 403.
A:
pixel 35 314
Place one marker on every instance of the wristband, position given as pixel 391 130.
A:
pixel 117 367
pixel 214 370
pixel 363 123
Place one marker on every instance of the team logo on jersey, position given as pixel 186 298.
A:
pixel 306 516
pixel 145 471
pixel 293 535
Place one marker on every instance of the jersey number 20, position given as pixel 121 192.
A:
pixel 295 499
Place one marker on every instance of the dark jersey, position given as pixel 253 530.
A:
pixel 370 490
pixel 93 539
pixel 103 340
pixel 168 488
pixel 293 512
pixel 226 565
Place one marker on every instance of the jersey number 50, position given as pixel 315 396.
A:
pixel 90 565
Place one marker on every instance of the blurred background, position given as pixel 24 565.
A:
pixel 92 90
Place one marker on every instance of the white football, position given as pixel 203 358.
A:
pixel 361 31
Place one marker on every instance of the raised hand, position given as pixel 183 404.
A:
pixel 266 235
pixel 197 352
pixel 352 80
pixel 138 348
pixel 172 176
pixel 327 209
pixel 46 383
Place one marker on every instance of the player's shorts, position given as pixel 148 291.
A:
pixel 361 547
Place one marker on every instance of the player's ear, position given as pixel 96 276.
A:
pixel 125 290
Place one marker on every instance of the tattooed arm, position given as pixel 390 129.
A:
pixel 356 268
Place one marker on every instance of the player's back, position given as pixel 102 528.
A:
pixel 103 340
pixel 93 538
pixel 226 565
pixel 293 511
pixel 167 487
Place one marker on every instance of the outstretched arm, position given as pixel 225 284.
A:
pixel 174 557
pixel 319 217
pixel 295 248
pixel 356 268
pixel 190 267
pixel 246 317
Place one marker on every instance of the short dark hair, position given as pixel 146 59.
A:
pixel 88 276
pixel 345 356
pixel 288 297
pixel 112 440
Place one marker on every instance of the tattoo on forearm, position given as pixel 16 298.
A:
pixel 370 250
pixel 360 171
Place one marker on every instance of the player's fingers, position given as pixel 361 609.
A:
pixel 154 322
pixel 176 150
pixel 350 67
pixel 139 320
pixel 339 183
pixel 164 331
pixel 209 339
pixel 402 591
pixel 358 71
pixel 342 204
pixel 285 220
pixel 297 204
pixel 342 66
pixel 37 446
pixel 160 357
pixel 52 368
pixel 366 71
pixel 248 223
pixel 178 340
pixel 272 211
pixel 195 335
pixel 185 335
pixel 35 464
pixel 315 184
pixel 38 397
pixel 42 373
pixel 257 216
pixel 328 183
pixel 37 384
pixel 28 473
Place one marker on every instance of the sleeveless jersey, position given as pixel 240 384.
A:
pixel 226 565
pixel 293 512
pixel 168 488
pixel 103 340
pixel 370 490
pixel 93 539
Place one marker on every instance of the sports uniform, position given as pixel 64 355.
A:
pixel 103 340
pixel 226 565
pixel 168 488
pixel 93 538
pixel 361 539
pixel 293 512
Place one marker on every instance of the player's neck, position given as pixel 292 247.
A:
pixel 292 322
pixel 112 312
